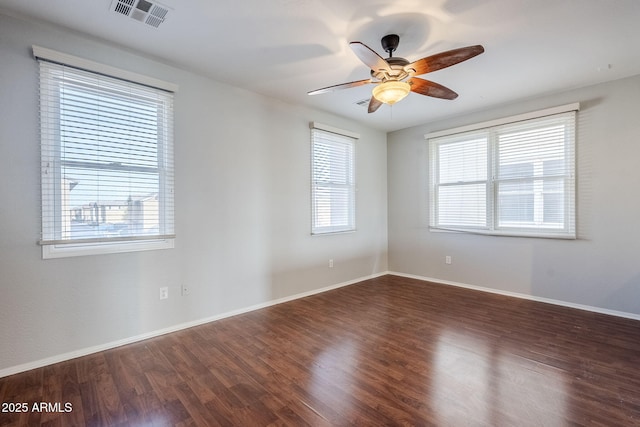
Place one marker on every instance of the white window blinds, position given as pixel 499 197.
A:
pixel 333 181
pixel 107 159
pixel 462 182
pixel 513 178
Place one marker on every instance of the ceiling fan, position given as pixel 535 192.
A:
pixel 394 77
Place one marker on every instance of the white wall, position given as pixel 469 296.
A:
pixel 243 212
pixel 601 269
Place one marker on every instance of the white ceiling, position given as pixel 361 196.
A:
pixel 285 48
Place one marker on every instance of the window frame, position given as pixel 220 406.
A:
pixel 53 241
pixel 340 137
pixel 492 198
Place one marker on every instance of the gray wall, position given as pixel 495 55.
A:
pixel 243 212
pixel 601 269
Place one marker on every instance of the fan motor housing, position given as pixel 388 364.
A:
pixel 398 70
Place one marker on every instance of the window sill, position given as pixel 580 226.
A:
pixel 332 232
pixel 81 249
pixel 507 233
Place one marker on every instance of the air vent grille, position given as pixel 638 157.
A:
pixel 124 6
pixel 144 11
pixel 157 15
pixel 364 102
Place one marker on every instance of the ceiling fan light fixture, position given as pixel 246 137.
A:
pixel 390 92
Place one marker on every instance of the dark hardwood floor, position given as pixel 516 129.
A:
pixel 388 351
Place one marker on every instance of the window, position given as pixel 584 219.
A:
pixel 107 163
pixel 511 177
pixel 332 179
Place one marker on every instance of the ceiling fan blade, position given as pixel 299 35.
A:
pixel 429 88
pixel 369 57
pixel 445 59
pixel 340 86
pixel 374 104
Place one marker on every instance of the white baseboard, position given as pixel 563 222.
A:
pixel 107 346
pixel 102 347
pixel 624 314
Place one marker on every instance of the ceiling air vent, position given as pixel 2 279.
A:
pixel 144 11
pixel 364 102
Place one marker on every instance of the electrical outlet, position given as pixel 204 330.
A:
pixel 164 292
pixel 331 263
pixel 447 259
pixel 184 290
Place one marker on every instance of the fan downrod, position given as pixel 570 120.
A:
pixel 390 43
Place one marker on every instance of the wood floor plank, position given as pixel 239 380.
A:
pixel 387 351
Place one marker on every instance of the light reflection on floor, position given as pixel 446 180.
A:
pixel 331 380
pixel 494 381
